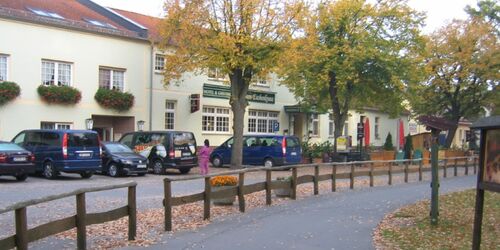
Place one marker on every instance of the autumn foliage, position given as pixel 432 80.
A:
pixel 223 180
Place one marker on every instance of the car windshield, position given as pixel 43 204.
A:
pixel 9 147
pixel 118 148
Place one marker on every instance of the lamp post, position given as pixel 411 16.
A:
pixel 89 123
pixel 140 125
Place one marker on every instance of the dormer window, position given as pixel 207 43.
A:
pixel 100 24
pixel 46 13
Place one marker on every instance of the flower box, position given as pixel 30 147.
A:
pixel 283 192
pixel 59 94
pixel 8 92
pixel 220 183
pixel 228 201
pixel 114 99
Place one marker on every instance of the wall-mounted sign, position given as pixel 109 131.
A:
pixel 412 127
pixel 492 157
pixel 224 92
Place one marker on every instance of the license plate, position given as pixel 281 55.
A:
pixel 17 159
pixel 294 153
pixel 186 154
pixel 84 155
pixel 141 166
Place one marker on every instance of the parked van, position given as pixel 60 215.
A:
pixel 69 151
pixel 164 149
pixel 267 150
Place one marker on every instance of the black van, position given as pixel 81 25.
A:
pixel 70 151
pixel 164 149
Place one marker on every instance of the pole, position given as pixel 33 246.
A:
pixel 435 178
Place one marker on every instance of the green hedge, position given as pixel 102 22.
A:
pixel 59 94
pixel 8 92
pixel 114 99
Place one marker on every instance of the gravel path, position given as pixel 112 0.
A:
pixel 342 220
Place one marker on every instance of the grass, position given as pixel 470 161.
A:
pixel 409 227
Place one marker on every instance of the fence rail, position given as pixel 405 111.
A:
pixel 80 220
pixel 393 167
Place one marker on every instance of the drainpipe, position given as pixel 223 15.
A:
pixel 151 72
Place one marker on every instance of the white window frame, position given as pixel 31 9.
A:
pixel 331 126
pixel 217 75
pixel 159 59
pixel 260 81
pixel 264 117
pixel 315 120
pixel 170 111
pixel 56 125
pixel 6 77
pixel 225 113
pixel 56 73
pixel 377 127
pixel 111 77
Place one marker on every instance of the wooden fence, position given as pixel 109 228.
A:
pixel 80 220
pixel 392 167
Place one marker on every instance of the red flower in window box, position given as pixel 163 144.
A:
pixel 114 99
pixel 59 94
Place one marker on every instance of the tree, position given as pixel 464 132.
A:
pixel 462 62
pixel 408 147
pixel 487 10
pixel 240 38
pixel 352 55
pixel 388 142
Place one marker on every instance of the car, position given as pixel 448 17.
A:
pixel 164 149
pixel 16 161
pixel 267 150
pixel 118 159
pixel 56 151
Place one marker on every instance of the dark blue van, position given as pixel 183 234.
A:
pixel 267 150
pixel 69 151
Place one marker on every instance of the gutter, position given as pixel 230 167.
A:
pixel 151 72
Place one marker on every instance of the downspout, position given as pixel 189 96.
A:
pixel 151 72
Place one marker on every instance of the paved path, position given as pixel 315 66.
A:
pixel 342 220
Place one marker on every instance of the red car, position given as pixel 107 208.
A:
pixel 16 161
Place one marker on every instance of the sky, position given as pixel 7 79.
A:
pixel 439 12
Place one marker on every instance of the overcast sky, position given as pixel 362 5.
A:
pixel 438 12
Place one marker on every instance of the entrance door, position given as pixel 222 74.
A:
pixel 106 134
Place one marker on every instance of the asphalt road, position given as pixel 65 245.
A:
pixel 342 220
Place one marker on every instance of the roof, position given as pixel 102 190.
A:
pixel 74 14
pixel 489 122
pixel 149 22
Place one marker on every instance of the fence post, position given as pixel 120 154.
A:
pixel 132 213
pixel 474 165
pixel 371 174
pixel 316 177
pixel 390 173
pixel 420 165
pixel 241 193
pixel 206 200
pixel 445 172
pixel 455 171
pixel 466 165
pixel 21 229
pixel 81 223
pixel 351 177
pixel 334 178
pixel 268 187
pixel 294 184
pixel 167 199
pixel 406 171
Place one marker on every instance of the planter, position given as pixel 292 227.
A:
pixel 223 201
pixel 59 94
pixel 114 99
pixel 382 156
pixel 283 192
pixel 8 92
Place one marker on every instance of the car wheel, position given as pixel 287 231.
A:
pixel 113 170
pixel 268 163
pixel 86 174
pixel 217 162
pixel 184 170
pixel 21 177
pixel 49 171
pixel 158 167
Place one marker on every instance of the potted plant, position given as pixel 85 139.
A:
pixel 59 94
pixel 114 99
pixel 8 92
pixel 223 182
pixel 284 192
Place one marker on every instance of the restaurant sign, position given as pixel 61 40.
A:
pixel 224 92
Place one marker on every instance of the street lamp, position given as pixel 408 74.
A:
pixel 140 125
pixel 89 123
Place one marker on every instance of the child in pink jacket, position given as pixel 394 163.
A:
pixel 204 156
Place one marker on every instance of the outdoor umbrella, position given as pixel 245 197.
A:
pixel 367 132
pixel 401 134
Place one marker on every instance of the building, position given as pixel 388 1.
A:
pixel 88 46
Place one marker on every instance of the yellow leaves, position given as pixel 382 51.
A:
pixel 223 180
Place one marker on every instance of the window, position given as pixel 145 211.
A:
pixel 111 79
pixel 261 122
pixel 331 125
pixel 3 68
pixel 56 73
pixel 100 24
pixel 169 115
pixel 46 13
pixel 55 125
pixel 315 124
pixel 377 134
pixel 215 119
pixel 346 129
pixel 159 62
pixel 216 74
pixel 260 81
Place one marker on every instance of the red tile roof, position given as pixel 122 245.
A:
pixel 150 22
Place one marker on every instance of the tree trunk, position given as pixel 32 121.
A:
pixel 339 113
pixel 240 80
pixel 450 136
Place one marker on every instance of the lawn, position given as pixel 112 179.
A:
pixel 409 227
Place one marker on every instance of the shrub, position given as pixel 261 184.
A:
pixel 59 94
pixel 408 148
pixel 223 180
pixel 114 99
pixel 388 142
pixel 8 92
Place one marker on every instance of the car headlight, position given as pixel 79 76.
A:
pixel 128 162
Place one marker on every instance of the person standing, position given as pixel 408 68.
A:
pixel 204 157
